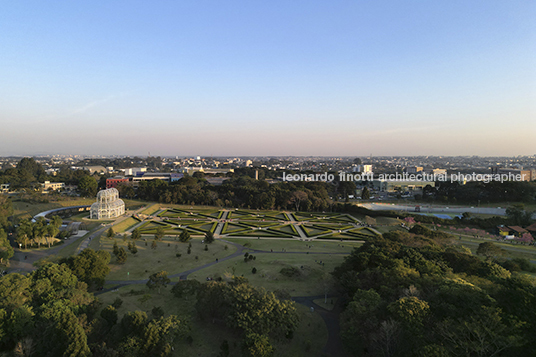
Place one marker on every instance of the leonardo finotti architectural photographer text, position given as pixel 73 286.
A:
pixel 458 177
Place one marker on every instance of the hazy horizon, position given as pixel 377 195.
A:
pixel 303 78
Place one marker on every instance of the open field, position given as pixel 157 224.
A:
pixel 293 245
pixel 269 265
pixel 148 261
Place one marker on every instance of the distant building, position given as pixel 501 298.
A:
pixel 192 169
pixel 414 169
pixel 95 169
pixel 164 176
pixel 134 171
pixel 52 186
pixel 364 169
pixel 108 205
pixel 113 182
pixel 526 175
pixel 216 181
pixel 394 185
pixel 517 231
pixel 4 187
pixel 439 172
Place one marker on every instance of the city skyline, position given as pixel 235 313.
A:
pixel 305 78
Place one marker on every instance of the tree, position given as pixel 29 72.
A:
pixel 110 233
pixel 157 312
pixel 90 266
pixel 365 194
pixel 158 280
pixel 51 231
pixel 6 251
pixel 159 335
pixel 154 245
pixel 185 288
pixel 109 314
pixel 121 256
pixel 297 197
pixel 6 210
pixel 87 186
pixel 209 237
pixel 518 215
pixel 489 250
pixel 184 236
pixel 134 322
pixel 159 233
pixel 56 221
pixel 39 230
pixel 256 345
pixel 134 249
pixel 24 232
pixel 60 332
pixel 136 234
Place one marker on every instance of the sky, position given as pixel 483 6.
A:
pixel 268 78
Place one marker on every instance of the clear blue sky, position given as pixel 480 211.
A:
pixel 309 77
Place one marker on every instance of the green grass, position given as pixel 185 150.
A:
pixel 512 250
pixel 72 248
pixel 148 261
pixel 151 209
pixel 125 225
pixel 294 245
pixel 311 231
pixel 268 275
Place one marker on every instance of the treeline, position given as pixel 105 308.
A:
pixel 417 295
pixel 28 174
pixel 50 312
pixel 481 192
pixel 241 191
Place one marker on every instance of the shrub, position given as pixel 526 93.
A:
pixel 290 272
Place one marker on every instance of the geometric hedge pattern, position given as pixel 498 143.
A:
pixel 266 224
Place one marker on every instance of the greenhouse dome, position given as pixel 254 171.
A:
pixel 108 205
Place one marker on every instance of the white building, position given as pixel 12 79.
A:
pixel 134 171
pixel 47 186
pixel 108 205
pixel 364 169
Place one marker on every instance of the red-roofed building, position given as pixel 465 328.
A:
pixel 531 228
pixel 517 231
pixel 113 182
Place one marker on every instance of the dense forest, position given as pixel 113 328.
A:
pixel 419 295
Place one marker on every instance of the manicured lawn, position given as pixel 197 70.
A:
pixel 151 209
pixel 125 225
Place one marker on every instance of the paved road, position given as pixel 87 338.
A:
pixel 334 346
pixel 21 265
